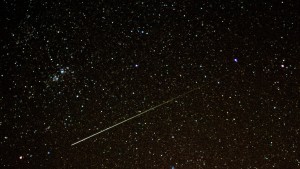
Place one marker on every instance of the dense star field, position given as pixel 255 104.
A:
pixel 72 69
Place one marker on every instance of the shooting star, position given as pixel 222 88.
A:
pixel 144 112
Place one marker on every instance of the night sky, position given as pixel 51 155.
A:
pixel 71 69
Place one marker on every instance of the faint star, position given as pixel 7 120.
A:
pixel 55 78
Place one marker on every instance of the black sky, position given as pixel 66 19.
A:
pixel 70 69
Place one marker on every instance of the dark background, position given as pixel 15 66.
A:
pixel 70 69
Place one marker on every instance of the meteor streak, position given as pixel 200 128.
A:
pixel 144 112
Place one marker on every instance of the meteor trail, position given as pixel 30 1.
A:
pixel 152 108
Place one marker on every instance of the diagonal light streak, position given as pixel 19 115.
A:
pixel 144 112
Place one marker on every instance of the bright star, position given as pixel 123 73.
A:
pixel 62 71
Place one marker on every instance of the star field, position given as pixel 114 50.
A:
pixel 72 69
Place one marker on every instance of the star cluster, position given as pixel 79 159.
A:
pixel 71 69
